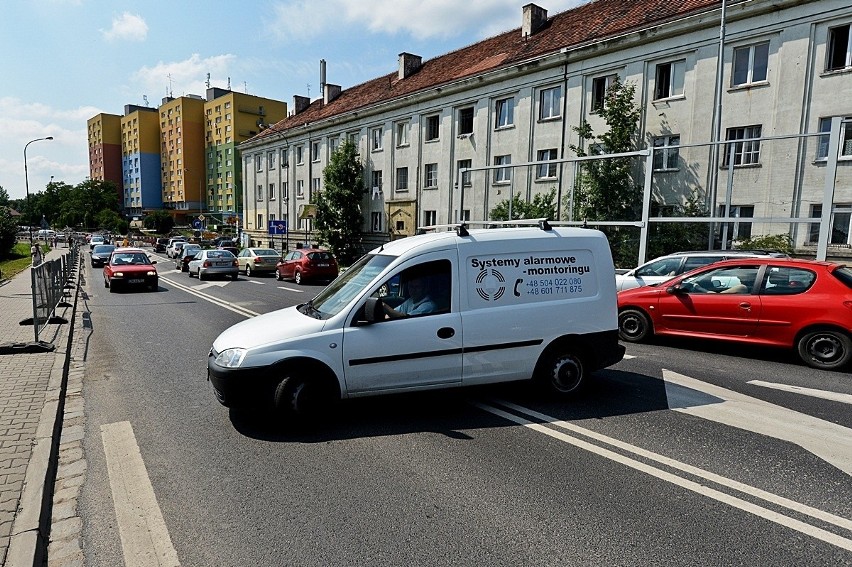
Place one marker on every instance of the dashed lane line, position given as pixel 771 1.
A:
pixel 824 394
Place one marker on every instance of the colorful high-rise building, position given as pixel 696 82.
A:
pixel 104 134
pixel 231 118
pixel 182 156
pixel 140 160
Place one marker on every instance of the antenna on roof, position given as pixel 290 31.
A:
pixel 145 98
pixel 170 85
pixel 229 83
pixel 208 80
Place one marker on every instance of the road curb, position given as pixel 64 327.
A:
pixel 31 528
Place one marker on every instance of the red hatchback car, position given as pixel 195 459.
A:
pixel 307 264
pixel 800 304
pixel 128 267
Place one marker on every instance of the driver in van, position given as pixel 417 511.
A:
pixel 419 301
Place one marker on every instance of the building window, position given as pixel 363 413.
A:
pixel 260 192
pixel 504 113
pixel 669 80
pixel 258 163
pixel 284 161
pixel 845 138
pixel 839 49
pixel 401 133
pixel 504 174
pixel 432 128
pixel 736 230
pixel 376 221
pixel 750 64
pixel 316 185
pixel 315 151
pixel 431 176
pixel 840 223
pixel 333 144
pixel 430 218
pixel 270 161
pixel 466 120
pixel 546 170
pixel 300 155
pixel 465 177
pixel 284 188
pixel 402 179
pixel 550 103
pixel 666 156
pixel 259 221
pixel 465 215
pixel 376 182
pixel 300 188
pixel 272 191
pixel 376 139
pixel 746 152
pixel 600 86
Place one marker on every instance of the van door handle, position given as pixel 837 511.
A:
pixel 446 332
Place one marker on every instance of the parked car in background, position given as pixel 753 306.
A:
pixel 802 305
pixel 235 250
pixel 130 267
pixel 307 264
pixel 101 253
pixel 666 267
pixel 187 253
pixel 96 240
pixel 258 260
pixel 160 244
pixel 172 245
pixel 214 263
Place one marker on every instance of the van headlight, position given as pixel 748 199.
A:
pixel 230 357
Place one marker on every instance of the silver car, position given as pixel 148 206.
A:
pixel 214 263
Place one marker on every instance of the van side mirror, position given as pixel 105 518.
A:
pixel 374 310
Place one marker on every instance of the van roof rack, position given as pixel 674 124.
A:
pixel 461 228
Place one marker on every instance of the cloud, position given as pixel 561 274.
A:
pixel 297 20
pixel 129 27
pixel 185 77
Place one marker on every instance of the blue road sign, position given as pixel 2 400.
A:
pixel 196 224
pixel 277 227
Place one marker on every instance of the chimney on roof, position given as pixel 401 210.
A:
pixel 534 18
pixel 408 64
pixel 322 75
pixel 330 92
pixel 300 103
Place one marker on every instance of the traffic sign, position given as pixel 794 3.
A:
pixel 201 217
pixel 277 227
pixel 196 224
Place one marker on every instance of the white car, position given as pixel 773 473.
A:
pixel 171 249
pixel 665 268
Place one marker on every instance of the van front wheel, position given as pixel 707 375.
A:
pixel 298 398
pixel 566 373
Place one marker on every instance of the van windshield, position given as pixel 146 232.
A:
pixel 341 291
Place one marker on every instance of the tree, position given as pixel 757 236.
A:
pixel 667 237
pixel 8 230
pixel 605 188
pixel 338 207
pixel 4 197
pixel 160 221
pixel 542 206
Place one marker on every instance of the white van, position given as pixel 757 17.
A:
pixel 503 304
pixel 46 234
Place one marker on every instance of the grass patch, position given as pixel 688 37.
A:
pixel 17 261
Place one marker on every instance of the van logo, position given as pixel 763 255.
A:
pixel 490 284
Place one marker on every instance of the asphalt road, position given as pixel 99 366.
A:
pixel 683 453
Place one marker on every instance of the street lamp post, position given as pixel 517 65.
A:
pixel 27 184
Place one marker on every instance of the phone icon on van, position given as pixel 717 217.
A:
pixel 518 282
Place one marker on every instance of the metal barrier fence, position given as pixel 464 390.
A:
pixel 50 281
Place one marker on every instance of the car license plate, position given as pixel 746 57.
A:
pixel 136 280
pixel 223 263
pixel 322 265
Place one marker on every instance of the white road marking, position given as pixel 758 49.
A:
pixel 628 356
pixel 256 282
pixel 205 285
pixel 826 440
pixel 291 289
pixel 824 394
pixel 145 538
pixel 214 300
pixel 687 484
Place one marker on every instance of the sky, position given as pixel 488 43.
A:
pixel 64 61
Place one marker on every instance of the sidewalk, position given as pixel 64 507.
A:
pixel 31 399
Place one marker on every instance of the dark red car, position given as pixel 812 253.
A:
pixel 130 267
pixel 803 305
pixel 307 264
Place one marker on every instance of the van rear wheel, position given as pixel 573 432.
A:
pixel 566 373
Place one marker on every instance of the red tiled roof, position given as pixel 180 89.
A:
pixel 590 22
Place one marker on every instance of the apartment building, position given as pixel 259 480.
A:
pixel 104 138
pixel 182 156
pixel 231 118
pixel 140 160
pixel 516 98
